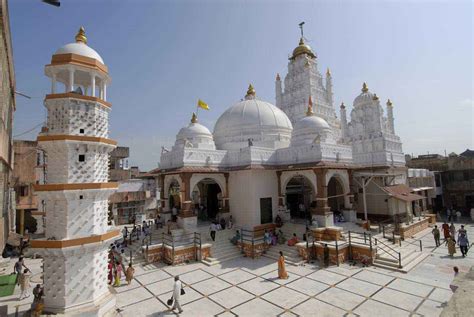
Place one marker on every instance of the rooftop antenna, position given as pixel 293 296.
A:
pixel 301 27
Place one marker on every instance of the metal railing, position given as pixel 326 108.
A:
pixel 396 255
pixel 250 236
pixel 182 240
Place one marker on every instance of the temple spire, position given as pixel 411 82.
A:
pixel 194 118
pixel 309 112
pixel 250 92
pixel 81 35
pixel 364 87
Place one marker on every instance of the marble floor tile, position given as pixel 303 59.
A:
pixel 359 287
pixel 210 286
pixel 308 286
pixel 231 297
pixel 314 307
pixel 327 277
pixel 132 296
pixel 411 287
pixel 258 286
pixel 373 277
pixel 340 298
pixel 149 307
pixel 152 277
pixel 399 299
pixel 201 307
pixel 285 297
pixel 194 277
pixel 430 308
pixel 236 277
pixel 374 308
pixel 257 308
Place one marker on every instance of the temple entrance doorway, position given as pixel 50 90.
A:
pixel 335 195
pixel 174 197
pixel 207 199
pixel 298 198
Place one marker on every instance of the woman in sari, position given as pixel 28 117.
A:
pixel 281 267
pixel 451 246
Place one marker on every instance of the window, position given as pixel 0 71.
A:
pixel 23 190
pixel 81 197
pixel 81 131
pixel 82 158
pixel 438 180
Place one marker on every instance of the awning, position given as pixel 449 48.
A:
pixel 419 189
pixel 402 192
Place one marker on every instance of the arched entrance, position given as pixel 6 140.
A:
pixel 335 195
pixel 298 196
pixel 207 199
pixel 174 195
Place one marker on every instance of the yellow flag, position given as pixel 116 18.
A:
pixel 203 105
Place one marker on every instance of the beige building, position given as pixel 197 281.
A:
pixel 28 170
pixel 7 108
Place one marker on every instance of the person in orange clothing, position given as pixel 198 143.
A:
pixel 294 240
pixel 446 232
pixel 281 267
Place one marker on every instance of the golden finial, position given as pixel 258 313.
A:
pixel 343 106
pixel 309 112
pixel 194 118
pixel 328 72
pixel 375 97
pixel 364 87
pixel 278 76
pixel 81 36
pixel 301 41
pixel 250 91
pixel 389 103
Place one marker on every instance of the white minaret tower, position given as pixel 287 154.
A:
pixel 390 121
pixel 278 90
pixel 329 87
pixel 76 191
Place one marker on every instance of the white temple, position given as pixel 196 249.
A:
pixel 296 159
pixel 76 142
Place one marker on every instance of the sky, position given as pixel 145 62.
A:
pixel 164 55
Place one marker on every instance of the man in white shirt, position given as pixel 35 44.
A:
pixel 213 229
pixel 177 294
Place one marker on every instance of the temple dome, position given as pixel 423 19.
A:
pixel 302 48
pixel 195 135
pixel 365 96
pixel 260 121
pixel 310 129
pixel 80 48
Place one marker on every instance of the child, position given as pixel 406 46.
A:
pixel 129 273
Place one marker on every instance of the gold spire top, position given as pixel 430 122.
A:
pixel 309 112
pixel 328 72
pixel 278 76
pixel 364 87
pixel 81 36
pixel 343 106
pixel 194 118
pixel 250 91
pixel 375 97
pixel 389 103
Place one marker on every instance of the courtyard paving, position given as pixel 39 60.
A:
pixel 246 287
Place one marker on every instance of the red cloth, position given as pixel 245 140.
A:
pixel 445 228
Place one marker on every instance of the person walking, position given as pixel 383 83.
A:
pixel 177 289
pixel 448 214
pixel 129 273
pixel 463 243
pixel 451 246
pixel 282 274
pixel 445 228
pixel 118 274
pixel 462 230
pixel 213 229
pixel 458 216
pixel 24 284
pixel 436 235
pixel 452 231
pixel 18 268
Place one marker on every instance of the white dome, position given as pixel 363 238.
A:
pixel 309 130
pixel 195 135
pixel 79 48
pixel 366 97
pixel 263 123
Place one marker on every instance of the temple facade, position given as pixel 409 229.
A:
pixel 295 159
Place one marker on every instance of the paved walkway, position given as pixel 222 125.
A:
pixel 247 287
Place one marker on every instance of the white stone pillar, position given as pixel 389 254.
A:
pixel 104 92
pixel 71 80
pixel 93 85
pixel 53 84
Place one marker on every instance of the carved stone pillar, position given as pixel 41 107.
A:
pixel 226 207
pixel 186 203
pixel 322 193
pixel 161 182
pixel 281 199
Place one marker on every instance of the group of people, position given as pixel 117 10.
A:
pixel 220 224
pixel 451 213
pixel 116 266
pixel 449 233
pixel 23 274
pixel 273 238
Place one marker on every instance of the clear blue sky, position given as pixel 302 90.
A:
pixel 164 55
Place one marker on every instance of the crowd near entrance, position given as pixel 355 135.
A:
pixel 207 199
pixel 298 197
